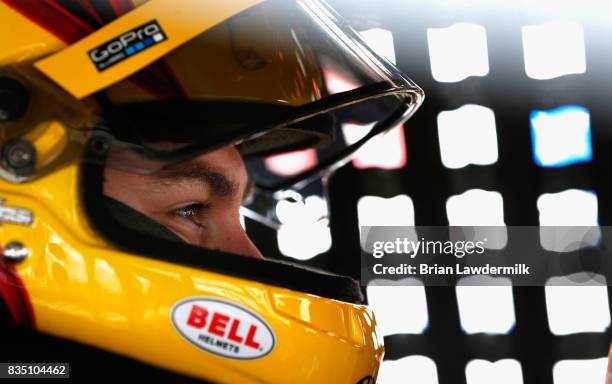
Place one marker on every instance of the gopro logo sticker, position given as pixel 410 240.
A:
pixel 127 45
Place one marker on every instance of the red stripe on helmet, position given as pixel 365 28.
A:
pixel 75 19
pixel 14 294
pixel 157 78
pixel 121 6
pixel 52 18
pixel 88 7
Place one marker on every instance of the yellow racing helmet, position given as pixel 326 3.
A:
pixel 144 86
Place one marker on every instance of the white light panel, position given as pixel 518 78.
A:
pixel 484 210
pixel 410 369
pixel 458 51
pixel 386 150
pixel 337 83
pixel 506 371
pixel 476 207
pixel 487 309
pixel 553 49
pixel 561 136
pixel 577 308
pixel 580 371
pixel 467 136
pixel 568 220
pixel 298 218
pixel 399 309
pixel 569 207
pixel 381 42
pixel 379 211
pixel 291 163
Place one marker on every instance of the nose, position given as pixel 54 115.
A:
pixel 235 240
pixel 244 246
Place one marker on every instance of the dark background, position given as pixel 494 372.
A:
pixel 512 95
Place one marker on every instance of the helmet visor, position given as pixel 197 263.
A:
pixel 283 77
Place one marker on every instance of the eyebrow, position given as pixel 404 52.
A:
pixel 219 184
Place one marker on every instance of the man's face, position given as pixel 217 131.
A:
pixel 198 200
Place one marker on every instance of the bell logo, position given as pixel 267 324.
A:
pixel 223 328
pixel 219 326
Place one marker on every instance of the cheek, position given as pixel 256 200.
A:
pixel 219 226
pixel 112 181
pixel 223 220
pixel 187 232
pixel 224 215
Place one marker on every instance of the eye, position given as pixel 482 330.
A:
pixel 192 212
